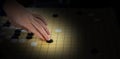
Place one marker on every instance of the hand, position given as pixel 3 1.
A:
pixel 23 18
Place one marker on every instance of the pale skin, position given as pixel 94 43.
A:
pixel 20 17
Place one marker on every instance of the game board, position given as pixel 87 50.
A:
pixel 62 33
pixel 78 33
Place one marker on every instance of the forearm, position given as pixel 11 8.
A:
pixel 12 5
pixel 13 8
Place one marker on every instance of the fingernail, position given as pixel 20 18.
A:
pixel 48 38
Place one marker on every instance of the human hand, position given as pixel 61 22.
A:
pixel 23 18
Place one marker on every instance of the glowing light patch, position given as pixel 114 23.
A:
pixel 58 30
pixel 33 43
pixel 23 30
pixel 22 40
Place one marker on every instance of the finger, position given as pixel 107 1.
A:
pixel 44 26
pixel 29 28
pixel 41 18
pixel 32 29
pixel 40 29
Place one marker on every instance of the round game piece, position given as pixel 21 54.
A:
pixel 29 37
pixel 33 44
pixel 23 31
pixel 22 40
pixel 17 32
pixel 30 34
pixel 7 24
pixel 55 15
pixel 58 30
pixel 49 41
